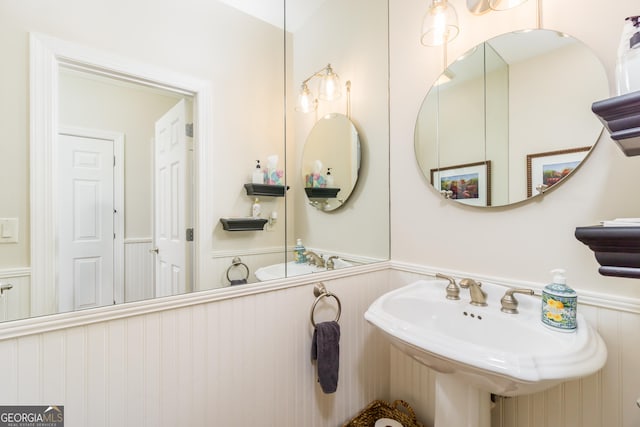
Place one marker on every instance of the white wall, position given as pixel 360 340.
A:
pixel 527 240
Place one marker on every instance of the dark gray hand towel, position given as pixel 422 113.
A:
pixel 325 348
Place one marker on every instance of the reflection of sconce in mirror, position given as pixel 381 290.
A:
pixel 328 90
pixel 478 7
pixel 440 24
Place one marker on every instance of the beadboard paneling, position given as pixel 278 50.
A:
pixel 236 362
pixel 138 270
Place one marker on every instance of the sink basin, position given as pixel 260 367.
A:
pixel 504 354
pixel 277 271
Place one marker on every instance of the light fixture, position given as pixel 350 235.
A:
pixel 440 24
pixel 328 90
pixel 479 7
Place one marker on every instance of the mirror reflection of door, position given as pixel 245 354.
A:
pixel 90 194
pixel 170 207
pixel 91 101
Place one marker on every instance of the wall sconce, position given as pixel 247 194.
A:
pixel 328 89
pixel 440 24
pixel 478 7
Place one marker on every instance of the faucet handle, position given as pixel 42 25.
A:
pixel 509 302
pixel 453 291
pixel 330 264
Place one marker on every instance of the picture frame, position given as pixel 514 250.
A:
pixel 544 170
pixel 468 183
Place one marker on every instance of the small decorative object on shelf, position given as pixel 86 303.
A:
pixel 617 249
pixel 243 224
pixel 621 116
pixel 321 192
pixel 265 190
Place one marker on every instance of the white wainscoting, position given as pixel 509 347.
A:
pixel 15 303
pixel 138 270
pixel 223 362
pixel 605 399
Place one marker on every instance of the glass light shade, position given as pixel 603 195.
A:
pixel 329 88
pixel 306 102
pixel 440 24
pixel 504 4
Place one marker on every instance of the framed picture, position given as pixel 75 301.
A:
pixel 544 170
pixel 469 183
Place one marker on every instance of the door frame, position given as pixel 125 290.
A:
pixel 118 199
pixel 47 54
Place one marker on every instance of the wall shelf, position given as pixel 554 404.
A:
pixel 243 224
pixel 321 192
pixel 265 190
pixel 621 116
pixel 617 249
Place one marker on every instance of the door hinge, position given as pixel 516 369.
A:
pixel 114 161
pixel 189 130
pixel 189 234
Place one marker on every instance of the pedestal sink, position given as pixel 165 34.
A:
pixel 477 351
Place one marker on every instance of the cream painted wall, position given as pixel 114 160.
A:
pixel 527 240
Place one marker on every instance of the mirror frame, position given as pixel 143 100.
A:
pixel 47 55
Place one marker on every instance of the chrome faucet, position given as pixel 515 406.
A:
pixel 314 259
pixel 453 291
pixel 330 264
pixel 478 296
pixel 510 303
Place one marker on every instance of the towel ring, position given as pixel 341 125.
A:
pixel 235 263
pixel 321 292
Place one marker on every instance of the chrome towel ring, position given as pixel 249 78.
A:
pixel 236 262
pixel 320 292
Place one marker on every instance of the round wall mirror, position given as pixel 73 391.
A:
pixel 331 162
pixel 511 118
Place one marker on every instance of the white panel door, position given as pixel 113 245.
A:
pixel 170 201
pixel 85 219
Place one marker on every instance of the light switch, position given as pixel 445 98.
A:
pixel 8 230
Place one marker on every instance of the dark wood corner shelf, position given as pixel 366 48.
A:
pixel 265 190
pixel 621 116
pixel 243 224
pixel 617 249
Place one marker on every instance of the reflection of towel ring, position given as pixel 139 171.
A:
pixel 321 292
pixel 235 263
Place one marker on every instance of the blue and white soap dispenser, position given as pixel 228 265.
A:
pixel 559 304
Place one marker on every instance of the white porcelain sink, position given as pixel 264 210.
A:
pixel 505 354
pixel 277 271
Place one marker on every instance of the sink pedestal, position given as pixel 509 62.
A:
pixel 460 405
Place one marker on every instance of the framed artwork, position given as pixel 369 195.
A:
pixel 469 183
pixel 544 170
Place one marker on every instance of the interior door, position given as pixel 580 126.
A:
pixel 86 223
pixel 170 202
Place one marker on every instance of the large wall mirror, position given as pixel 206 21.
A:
pixel 510 118
pixel 83 88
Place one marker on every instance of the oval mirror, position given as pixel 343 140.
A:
pixel 510 118
pixel 331 162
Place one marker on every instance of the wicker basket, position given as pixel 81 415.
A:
pixel 380 409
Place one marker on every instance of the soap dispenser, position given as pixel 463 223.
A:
pixel 329 178
pixel 559 304
pixel 298 252
pixel 257 177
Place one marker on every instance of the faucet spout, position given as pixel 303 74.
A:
pixel 314 259
pixel 478 296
